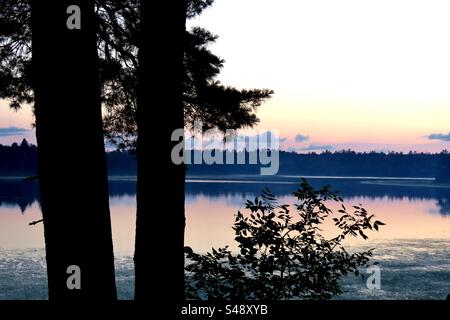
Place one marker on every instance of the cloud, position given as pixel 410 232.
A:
pixel 300 138
pixel 312 147
pixel 439 136
pixel 266 139
pixel 12 131
pixel 263 140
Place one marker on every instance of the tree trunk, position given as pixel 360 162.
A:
pixel 71 154
pixel 159 253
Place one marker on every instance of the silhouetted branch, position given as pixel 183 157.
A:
pixel 35 222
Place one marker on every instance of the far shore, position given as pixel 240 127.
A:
pixel 425 182
pixel 410 183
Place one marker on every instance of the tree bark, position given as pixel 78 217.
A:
pixel 71 154
pixel 159 250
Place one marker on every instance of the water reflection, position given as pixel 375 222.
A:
pixel 235 192
pixel 412 210
pixel 15 192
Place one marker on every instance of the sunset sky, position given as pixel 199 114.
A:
pixel 359 74
pixel 347 74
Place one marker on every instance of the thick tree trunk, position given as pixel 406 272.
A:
pixel 71 155
pixel 159 256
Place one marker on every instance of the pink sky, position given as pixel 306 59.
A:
pixel 358 74
pixel 21 119
pixel 353 74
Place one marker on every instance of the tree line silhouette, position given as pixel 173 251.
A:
pixel 21 160
pixel 18 159
pixel 340 163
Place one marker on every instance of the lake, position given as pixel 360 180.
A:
pixel 412 249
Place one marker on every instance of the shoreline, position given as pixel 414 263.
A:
pixel 417 182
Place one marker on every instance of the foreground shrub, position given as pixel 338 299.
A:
pixel 283 255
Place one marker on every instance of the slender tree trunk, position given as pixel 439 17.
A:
pixel 159 253
pixel 71 154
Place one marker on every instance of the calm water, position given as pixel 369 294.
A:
pixel 412 248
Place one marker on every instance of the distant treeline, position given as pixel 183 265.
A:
pixel 18 159
pixel 21 160
pixel 343 163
